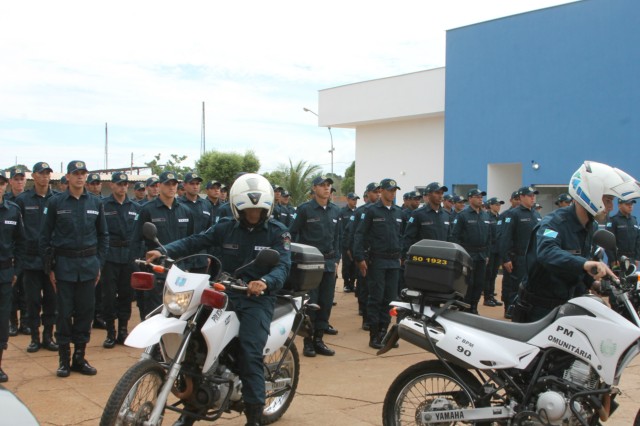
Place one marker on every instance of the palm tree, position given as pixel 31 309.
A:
pixel 298 180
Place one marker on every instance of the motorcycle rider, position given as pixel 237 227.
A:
pixel 236 243
pixel 558 267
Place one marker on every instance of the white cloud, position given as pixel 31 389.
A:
pixel 145 68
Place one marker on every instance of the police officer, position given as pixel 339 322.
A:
pixel 201 212
pixel 317 224
pixel 213 196
pixel 63 184
pixel 411 203
pixel 458 205
pixel 181 190
pixel 138 193
pixel 471 229
pixel 564 200
pixel 287 212
pixel 40 294
pixel 152 188
pixel 379 230
pixel 236 243
pixel 277 210
pixel 625 227
pixel 514 239
pixel 224 194
pixel 514 201
pixel 558 265
pixel 17 182
pixel 447 203
pixel 120 213
pixel 371 196
pixel 348 265
pixel 493 264
pixel 75 229
pixel 94 184
pixel 11 253
pixel 173 221
pixel 429 221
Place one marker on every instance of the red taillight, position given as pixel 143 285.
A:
pixel 143 280
pixel 213 299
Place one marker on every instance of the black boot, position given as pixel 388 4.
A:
pixel 13 324
pixel 64 352
pixel 319 346
pixel 308 347
pixel 34 346
pixel 374 338
pixel 24 323
pixel 110 341
pixel 184 420
pixel 80 364
pixel 123 333
pixel 254 414
pixel 3 376
pixel 47 339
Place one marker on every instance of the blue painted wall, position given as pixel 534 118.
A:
pixel 558 85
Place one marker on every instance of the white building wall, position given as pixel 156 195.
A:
pixel 409 151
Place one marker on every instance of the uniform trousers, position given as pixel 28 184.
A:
pixel 41 298
pixel 490 275
pixel 76 303
pixel 348 270
pixel 255 314
pixel 323 296
pixel 475 282
pixel 5 308
pixel 116 291
pixel 383 289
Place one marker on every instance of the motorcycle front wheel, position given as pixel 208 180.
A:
pixel 284 385
pixel 135 395
pixel 424 387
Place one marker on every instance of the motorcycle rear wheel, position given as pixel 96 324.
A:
pixel 277 403
pixel 421 388
pixel 135 395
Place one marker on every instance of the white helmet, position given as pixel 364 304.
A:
pixel 594 180
pixel 251 191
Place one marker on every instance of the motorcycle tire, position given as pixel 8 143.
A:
pixel 134 396
pixel 277 403
pixel 423 384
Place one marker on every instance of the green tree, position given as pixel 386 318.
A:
pixel 157 166
pixel 349 181
pixel 295 178
pixel 224 166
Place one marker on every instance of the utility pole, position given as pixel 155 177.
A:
pixel 203 147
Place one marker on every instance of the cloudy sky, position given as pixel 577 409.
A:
pixel 146 67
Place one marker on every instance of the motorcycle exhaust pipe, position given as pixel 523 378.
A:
pixel 187 391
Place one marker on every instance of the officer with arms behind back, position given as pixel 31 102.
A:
pixel 558 268
pixel 75 230
pixel 236 243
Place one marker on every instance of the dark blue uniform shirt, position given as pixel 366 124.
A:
pixel 74 224
pixel 516 230
pixel 32 207
pixel 625 228
pixel 120 221
pixel 425 223
pixel 471 229
pixel 379 229
pixel 12 241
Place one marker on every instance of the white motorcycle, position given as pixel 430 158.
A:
pixel 190 344
pixel 560 370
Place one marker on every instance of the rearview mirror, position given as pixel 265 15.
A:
pixel 149 231
pixel 605 239
pixel 267 258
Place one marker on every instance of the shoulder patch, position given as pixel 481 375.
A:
pixel 550 233
pixel 507 220
pixel 286 239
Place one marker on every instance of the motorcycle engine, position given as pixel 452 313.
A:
pixel 553 405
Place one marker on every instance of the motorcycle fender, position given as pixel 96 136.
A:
pixel 279 332
pixel 218 331
pixel 484 350
pixel 150 331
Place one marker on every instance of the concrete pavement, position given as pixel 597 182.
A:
pixel 346 389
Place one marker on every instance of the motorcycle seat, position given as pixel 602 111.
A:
pixel 521 332
pixel 283 307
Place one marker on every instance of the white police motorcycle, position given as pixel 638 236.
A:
pixel 561 370
pixel 189 364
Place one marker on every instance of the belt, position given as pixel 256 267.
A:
pixel 394 255
pixel 89 251
pixel 544 302
pixel 118 243
pixel 329 255
pixel 6 264
pixel 475 248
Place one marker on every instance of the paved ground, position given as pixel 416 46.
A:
pixel 347 389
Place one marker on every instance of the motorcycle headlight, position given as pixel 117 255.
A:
pixel 177 303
